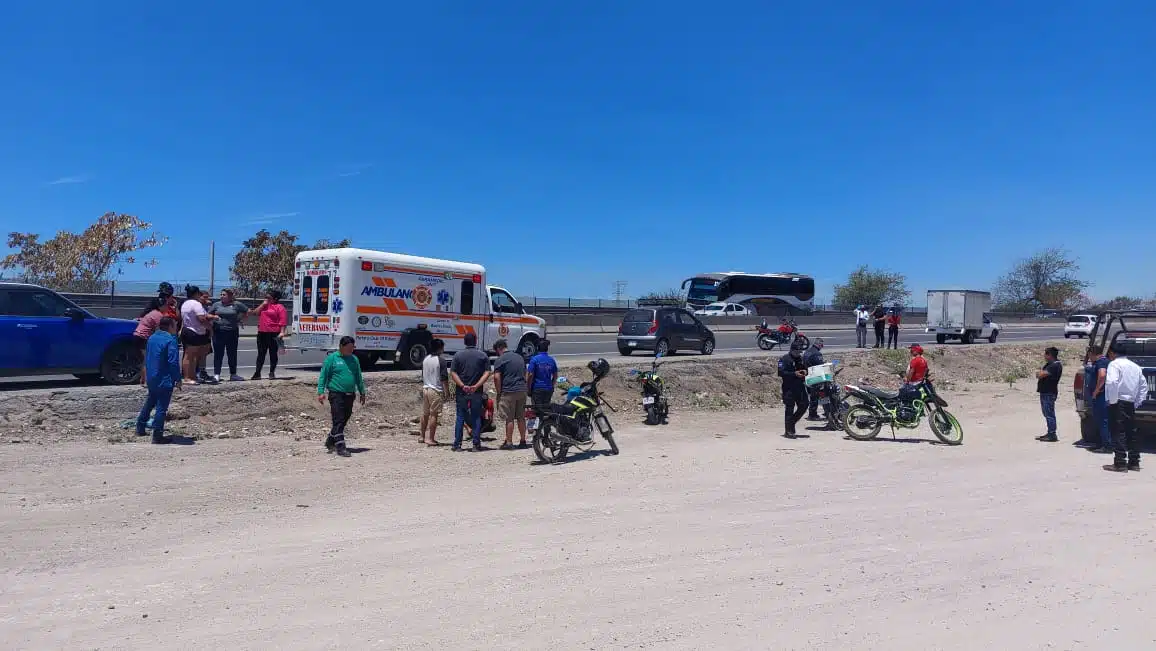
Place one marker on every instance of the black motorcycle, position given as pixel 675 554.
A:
pixel 559 427
pixel 653 393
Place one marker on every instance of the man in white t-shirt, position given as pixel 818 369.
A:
pixel 435 388
pixel 862 316
pixel 195 320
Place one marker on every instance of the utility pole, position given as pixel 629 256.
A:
pixel 619 290
pixel 212 266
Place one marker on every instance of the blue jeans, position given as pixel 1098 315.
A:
pixel 1048 405
pixel 470 405
pixel 1100 418
pixel 158 399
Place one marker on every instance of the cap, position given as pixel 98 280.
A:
pixel 916 348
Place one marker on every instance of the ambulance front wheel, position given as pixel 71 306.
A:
pixel 528 346
pixel 366 359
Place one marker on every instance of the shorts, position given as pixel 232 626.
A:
pixel 141 343
pixel 512 407
pixel 192 340
pixel 431 402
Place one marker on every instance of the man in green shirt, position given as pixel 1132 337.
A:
pixel 340 376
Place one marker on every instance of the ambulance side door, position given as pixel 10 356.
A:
pixel 504 312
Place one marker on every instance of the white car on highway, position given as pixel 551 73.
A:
pixel 1079 325
pixel 724 309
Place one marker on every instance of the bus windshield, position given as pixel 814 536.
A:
pixel 702 291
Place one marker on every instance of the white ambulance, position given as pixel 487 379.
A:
pixel 394 305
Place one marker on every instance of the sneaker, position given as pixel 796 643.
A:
pixel 256 376
pixel 790 435
pixel 272 375
pixel 1086 444
pixel 216 378
pixel 1134 467
pixel 455 448
pixel 1114 468
pixel 507 446
pixel 477 448
pixel 343 451
pixel 236 378
pixel 1048 438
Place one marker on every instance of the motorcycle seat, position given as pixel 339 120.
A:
pixel 881 394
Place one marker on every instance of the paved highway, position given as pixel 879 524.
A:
pixel 577 346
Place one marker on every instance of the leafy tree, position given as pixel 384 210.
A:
pixel 1046 280
pixel 1119 303
pixel 867 286
pixel 85 261
pixel 265 261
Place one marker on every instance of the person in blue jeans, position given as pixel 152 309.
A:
pixel 1048 386
pixel 1099 400
pixel 162 376
pixel 469 371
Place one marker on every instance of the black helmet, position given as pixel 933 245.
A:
pixel 599 367
pixel 165 289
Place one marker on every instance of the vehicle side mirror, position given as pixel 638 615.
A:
pixel 518 305
pixel 74 314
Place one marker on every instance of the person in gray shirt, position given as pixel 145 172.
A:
pixel 227 332
pixel 510 383
pixel 469 372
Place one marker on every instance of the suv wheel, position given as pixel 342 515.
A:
pixel 662 347
pixel 121 364
pixel 625 352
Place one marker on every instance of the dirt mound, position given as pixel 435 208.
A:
pixel 289 407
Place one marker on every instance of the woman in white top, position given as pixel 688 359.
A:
pixel 195 323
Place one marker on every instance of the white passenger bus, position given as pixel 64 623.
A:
pixel 771 294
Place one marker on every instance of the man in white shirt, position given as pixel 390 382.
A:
pixel 862 316
pixel 435 388
pixel 1126 389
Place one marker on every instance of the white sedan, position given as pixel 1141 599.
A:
pixel 724 309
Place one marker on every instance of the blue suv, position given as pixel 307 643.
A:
pixel 43 333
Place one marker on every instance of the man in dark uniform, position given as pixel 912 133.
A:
pixel 793 373
pixel 814 357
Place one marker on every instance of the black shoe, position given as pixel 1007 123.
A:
pixel 790 435
pixel 1101 450
pixel 162 440
pixel 1114 468
pixel 814 417
pixel 256 376
pixel 1048 438
pixel 330 444
pixel 1134 466
pixel 477 448
pixel 343 451
pixel 272 375
pixel 455 448
pixel 1086 444
pixel 507 446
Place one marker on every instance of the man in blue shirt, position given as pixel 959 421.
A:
pixel 542 375
pixel 162 375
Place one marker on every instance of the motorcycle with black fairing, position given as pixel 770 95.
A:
pixel 558 428
pixel 653 392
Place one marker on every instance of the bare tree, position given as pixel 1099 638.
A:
pixel 85 261
pixel 1047 279
pixel 265 261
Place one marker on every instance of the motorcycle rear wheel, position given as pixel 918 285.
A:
pixel 652 417
pixel 945 427
pixel 862 423
pixel 766 343
pixel 546 448
pixel 802 341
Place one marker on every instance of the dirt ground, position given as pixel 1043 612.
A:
pixel 712 532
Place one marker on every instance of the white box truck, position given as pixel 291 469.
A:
pixel 394 305
pixel 961 314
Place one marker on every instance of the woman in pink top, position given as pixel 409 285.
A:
pixel 146 325
pixel 272 319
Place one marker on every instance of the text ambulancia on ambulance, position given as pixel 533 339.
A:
pixel 394 305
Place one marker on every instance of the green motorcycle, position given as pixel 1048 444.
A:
pixel 863 422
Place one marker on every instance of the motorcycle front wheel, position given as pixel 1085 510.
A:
pixel 945 427
pixel 765 342
pixel 546 447
pixel 610 441
pixel 862 423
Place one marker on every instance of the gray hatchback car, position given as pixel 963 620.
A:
pixel 663 330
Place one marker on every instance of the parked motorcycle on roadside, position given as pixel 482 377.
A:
pixel 863 422
pixel 784 335
pixel 653 392
pixel 833 400
pixel 559 427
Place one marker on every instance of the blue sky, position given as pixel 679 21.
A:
pixel 566 145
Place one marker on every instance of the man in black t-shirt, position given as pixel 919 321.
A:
pixel 1048 386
